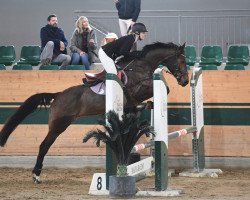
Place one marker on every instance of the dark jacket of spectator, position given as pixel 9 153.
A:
pixel 54 34
pixel 129 9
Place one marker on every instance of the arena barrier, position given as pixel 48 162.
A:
pixel 159 162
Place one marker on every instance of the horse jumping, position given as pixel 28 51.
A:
pixel 80 100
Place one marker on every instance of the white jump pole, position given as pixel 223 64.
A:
pixel 160 118
pixel 114 102
pixel 197 118
pixel 161 129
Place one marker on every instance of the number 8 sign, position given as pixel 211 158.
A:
pixel 98 184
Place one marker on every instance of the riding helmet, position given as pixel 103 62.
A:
pixel 139 27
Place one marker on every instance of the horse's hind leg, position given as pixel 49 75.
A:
pixel 55 129
pixel 44 147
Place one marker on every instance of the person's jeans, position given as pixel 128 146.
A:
pixel 76 58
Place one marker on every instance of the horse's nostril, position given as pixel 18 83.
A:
pixel 185 82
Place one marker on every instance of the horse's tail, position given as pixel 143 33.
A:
pixel 28 106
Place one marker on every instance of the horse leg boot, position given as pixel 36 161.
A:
pixel 44 147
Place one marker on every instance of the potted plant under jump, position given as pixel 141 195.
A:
pixel 121 136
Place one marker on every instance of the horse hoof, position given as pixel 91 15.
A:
pixel 36 179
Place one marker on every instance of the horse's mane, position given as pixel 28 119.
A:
pixel 158 45
pixel 153 46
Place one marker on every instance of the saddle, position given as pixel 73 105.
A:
pixel 92 79
pixel 121 63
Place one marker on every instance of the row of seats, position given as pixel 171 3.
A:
pixel 42 67
pixel 211 57
pixel 29 55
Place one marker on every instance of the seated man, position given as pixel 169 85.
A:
pixel 53 43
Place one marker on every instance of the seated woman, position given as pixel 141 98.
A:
pixel 83 44
pixel 122 47
pixel 110 37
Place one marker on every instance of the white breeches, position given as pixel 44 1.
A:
pixel 107 62
pixel 124 25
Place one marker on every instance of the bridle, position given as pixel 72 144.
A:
pixel 175 70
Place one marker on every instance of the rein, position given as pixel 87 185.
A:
pixel 128 64
pixel 150 74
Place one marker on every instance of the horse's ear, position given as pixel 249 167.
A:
pixel 181 48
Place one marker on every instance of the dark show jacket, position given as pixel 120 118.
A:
pixel 121 46
pixel 129 9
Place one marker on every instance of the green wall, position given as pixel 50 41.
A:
pixel 179 114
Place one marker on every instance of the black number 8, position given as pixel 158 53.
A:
pixel 99 183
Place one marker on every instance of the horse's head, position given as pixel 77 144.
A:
pixel 176 64
pixel 140 71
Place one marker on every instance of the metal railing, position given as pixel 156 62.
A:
pixel 203 27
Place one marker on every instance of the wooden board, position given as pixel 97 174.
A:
pixel 218 86
pixel 219 141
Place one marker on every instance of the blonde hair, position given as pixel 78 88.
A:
pixel 79 22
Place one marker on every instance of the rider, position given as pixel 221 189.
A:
pixel 122 47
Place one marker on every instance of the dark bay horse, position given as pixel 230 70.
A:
pixel 80 100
